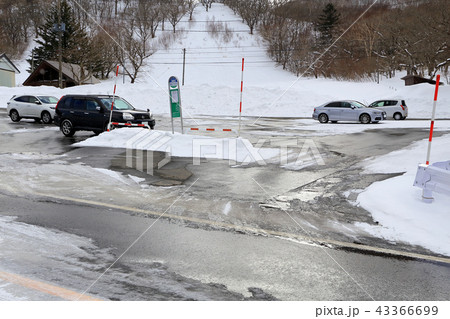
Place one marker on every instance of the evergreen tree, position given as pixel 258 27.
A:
pixel 75 43
pixel 327 23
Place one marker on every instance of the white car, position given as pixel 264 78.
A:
pixel 395 109
pixel 37 107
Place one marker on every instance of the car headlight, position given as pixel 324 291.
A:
pixel 127 116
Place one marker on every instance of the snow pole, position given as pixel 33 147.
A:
pixel 433 115
pixel 114 98
pixel 240 103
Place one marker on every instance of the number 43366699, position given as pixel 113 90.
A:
pixel 407 310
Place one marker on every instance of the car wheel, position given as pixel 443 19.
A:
pixel 67 128
pixel 364 118
pixel 323 118
pixel 14 115
pixel 397 116
pixel 46 118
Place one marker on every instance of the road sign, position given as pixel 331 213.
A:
pixel 175 101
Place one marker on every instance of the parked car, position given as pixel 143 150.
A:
pixel 92 113
pixel 37 107
pixel 395 109
pixel 347 111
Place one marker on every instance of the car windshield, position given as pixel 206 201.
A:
pixel 358 104
pixel 119 104
pixel 48 99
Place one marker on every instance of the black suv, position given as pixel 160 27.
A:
pixel 92 112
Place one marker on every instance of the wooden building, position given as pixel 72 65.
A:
pixel 415 79
pixel 47 74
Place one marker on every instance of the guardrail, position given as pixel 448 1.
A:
pixel 433 178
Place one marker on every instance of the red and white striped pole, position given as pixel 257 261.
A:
pixel 432 119
pixel 240 104
pixel 114 98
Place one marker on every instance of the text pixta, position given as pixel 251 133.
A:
pixel 337 311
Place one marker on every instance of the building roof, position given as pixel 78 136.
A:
pixel 6 64
pixel 72 74
pixel 416 79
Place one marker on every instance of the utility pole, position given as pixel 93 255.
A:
pixel 32 60
pixel 184 65
pixel 60 30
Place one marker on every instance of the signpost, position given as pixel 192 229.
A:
pixel 175 101
pixel 433 116
pixel 108 128
pixel 240 103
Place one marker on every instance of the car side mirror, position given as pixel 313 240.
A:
pixel 353 107
pixel 38 103
pixel 98 108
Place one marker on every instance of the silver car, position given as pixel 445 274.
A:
pixel 395 109
pixel 347 111
pixel 37 107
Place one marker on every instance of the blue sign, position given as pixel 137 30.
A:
pixel 173 82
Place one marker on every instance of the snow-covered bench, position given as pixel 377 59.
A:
pixel 433 178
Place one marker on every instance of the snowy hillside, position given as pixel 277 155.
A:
pixel 213 73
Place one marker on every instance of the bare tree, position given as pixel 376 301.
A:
pixel 191 5
pixel 252 11
pixel 102 56
pixel 207 4
pixel 134 48
pixel 148 15
pixel 176 9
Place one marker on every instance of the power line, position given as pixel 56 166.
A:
pixel 211 62
pixel 201 55
pixel 216 47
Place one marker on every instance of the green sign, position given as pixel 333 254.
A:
pixel 174 93
pixel 175 102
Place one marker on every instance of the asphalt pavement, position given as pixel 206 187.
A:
pixel 204 232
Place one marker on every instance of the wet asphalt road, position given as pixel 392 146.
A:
pixel 172 262
pixel 182 261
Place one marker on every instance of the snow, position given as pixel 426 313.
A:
pixel 314 128
pixel 28 130
pixel 238 150
pixel 112 174
pixel 397 205
pixel 227 208
pixel 213 76
pixel 45 249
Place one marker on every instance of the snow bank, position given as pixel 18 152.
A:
pixel 238 150
pixel 397 205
